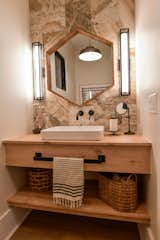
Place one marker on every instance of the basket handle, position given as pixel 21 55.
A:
pixel 132 175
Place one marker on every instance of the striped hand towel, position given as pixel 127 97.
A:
pixel 68 182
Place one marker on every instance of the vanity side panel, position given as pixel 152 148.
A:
pixel 131 159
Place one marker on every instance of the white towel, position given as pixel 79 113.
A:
pixel 68 181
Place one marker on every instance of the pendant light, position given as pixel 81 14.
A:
pixel 90 54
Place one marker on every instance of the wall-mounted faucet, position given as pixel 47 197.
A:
pixel 79 114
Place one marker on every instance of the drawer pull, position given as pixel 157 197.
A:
pixel 38 157
pixel 101 159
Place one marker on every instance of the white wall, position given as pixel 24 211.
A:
pixel 67 52
pixel 15 98
pixel 148 82
pixel 94 73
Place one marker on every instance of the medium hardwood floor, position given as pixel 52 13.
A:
pixel 51 226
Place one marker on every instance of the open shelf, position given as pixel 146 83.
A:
pixel 92 207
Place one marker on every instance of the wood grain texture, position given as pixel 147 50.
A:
pixel 133 140
pixel 93 207
pixel 49 226
pixel 130 154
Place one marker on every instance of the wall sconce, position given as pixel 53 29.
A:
pixel 38 83
pixel 124 62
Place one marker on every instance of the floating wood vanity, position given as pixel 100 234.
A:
pixel 122 154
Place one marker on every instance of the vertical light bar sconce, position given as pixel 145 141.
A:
pixel 38 83
pixel 124 62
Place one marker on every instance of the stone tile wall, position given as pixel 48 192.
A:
pixel 52 19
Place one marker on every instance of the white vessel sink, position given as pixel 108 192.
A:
pixel 70 133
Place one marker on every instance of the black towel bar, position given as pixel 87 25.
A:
pixel 38 157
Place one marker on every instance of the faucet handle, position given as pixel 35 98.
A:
pixel 91 113
pixel 81 113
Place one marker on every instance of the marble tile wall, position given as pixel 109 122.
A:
pixel 52 19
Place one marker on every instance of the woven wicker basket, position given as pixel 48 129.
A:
pixel 40 179
pixel 120 194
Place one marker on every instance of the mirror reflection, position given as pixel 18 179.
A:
pixel 81 68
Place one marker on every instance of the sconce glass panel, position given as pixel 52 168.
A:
pixel 38 83
pixel 124 62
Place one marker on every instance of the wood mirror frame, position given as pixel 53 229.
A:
pixel 59 44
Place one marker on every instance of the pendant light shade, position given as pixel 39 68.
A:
pixel 90 54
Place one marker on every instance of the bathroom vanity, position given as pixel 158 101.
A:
pixel 121 154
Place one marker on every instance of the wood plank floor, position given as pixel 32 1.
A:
pixel 51 226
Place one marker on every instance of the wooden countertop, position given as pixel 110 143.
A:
pixel 120 140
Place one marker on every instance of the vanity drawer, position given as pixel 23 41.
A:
pixel 131 159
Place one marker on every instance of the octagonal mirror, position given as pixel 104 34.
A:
pixel 74 76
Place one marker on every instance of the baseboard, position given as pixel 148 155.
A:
pixel 10 221
pixel 145 232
